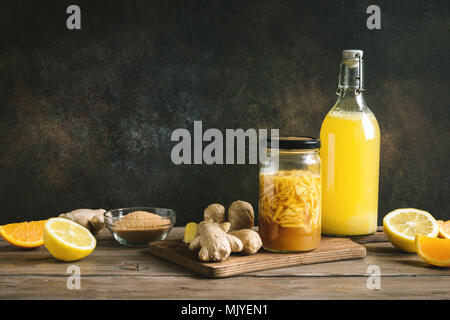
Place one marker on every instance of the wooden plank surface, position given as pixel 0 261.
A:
pixel 330 249
pixel 241 287
pixel 378 236
pixel 116 272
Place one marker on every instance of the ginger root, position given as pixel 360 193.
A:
pixel 93 220
pixel 214 242
pixel 250 239
pixel 215 212
pixel 241 215
pixel 190 232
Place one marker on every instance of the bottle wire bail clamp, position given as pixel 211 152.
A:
pixel 360 76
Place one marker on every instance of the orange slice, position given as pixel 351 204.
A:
pixel 444 229
pixel 435 251
pixel 25 235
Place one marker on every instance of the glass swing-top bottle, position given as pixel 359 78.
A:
pixel 350 151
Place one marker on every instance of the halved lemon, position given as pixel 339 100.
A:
pixel 67 240
pixel 435 251
pixel 402 225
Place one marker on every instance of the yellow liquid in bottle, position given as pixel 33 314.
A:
pixel 350 167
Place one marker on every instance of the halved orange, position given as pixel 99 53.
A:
pixel 25 235
pixel 435 251
pixel 444 229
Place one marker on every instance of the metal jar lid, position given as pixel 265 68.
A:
pixel 292 143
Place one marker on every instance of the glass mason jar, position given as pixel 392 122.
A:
pixel 290 195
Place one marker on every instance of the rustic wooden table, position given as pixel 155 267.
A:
pixel 116 272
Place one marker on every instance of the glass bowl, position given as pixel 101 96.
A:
pixel 141 233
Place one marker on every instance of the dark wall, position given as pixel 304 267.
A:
pixel 86 116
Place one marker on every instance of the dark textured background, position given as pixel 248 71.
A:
pixel 86 116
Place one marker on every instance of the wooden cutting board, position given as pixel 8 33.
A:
pixel 330 249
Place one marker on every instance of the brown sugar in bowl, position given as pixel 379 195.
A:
pixel 138 226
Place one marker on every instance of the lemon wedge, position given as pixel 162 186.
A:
pixel 402 225
pixel 67 240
